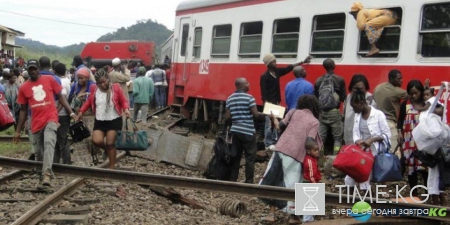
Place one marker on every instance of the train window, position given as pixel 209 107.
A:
pixel 285 37
pixel 250 40
pixel 328 36
pixel 197 43
pixel 435 30
pixel 184 39
pixel 389 42
pixel 221 41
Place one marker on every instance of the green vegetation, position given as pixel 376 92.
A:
pixel 143 30
pixel 9 148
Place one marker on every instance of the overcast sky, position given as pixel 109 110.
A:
pixel 111 13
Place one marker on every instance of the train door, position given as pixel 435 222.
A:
pixel 183 51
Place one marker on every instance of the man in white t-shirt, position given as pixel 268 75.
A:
pixel 62 150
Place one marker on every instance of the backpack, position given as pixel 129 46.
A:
pixel 328 99
pixel 219 167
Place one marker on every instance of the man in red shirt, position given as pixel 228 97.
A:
pixel 38 94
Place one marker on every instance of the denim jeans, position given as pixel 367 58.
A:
pixel 62 150
pixel 160 95
pixel 271 135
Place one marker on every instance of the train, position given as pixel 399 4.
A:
pixel 102 53
pixel 216 41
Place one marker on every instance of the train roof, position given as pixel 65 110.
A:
pixel 194 4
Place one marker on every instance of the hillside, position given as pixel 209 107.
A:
pixel 143 30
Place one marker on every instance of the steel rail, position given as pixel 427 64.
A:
pixel 33 215
pixel 331 199
pixel 12 175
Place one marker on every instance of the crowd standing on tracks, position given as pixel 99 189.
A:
pixel 46 98
pixel 369 121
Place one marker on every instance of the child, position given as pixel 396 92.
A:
pixel 428 96
pixel 311 172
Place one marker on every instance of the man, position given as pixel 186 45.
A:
pixel 298 87
pixel 159 79
pixel 270 92
pixel 241 110
pixel 120 75
pixel 38 94
pixel 62 150
pixel 330 90
pixel 44 62
pixel 388 97
pixel 142 92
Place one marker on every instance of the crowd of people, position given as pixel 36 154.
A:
pixel 313 109
pixel 45 97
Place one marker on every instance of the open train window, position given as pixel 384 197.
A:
pixel 328 36
pixel 184 38
pixel 285 37
pixel 435 30
pixel 389 42
pixel 250 40
pixel 197 43
pixel 221 41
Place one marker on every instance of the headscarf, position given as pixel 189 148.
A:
pixel 357 6
pixel 268 59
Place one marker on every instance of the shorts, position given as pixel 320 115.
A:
pixel 107 125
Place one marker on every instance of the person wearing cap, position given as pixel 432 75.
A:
pixel 37 93
pixel 143 89
pixel 121 75
pixel 372 21
pixel 80 90
pixel 270 91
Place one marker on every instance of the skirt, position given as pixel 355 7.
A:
pixel 107 125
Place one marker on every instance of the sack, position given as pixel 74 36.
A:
pixel 355 162
pixel 6 117
pixel 131 140
pixel 431 133
pixel 426 159
pixel 219 167
pixel 79 131
pixel 328 98
pixel 386 166
pixel 274 177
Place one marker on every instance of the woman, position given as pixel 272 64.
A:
pixel 11 93
pixel 108 104
pixel 408 119
pixel 79 92
pixel 373 22
pixel 290 148
pixel 358 82
pixel 368 128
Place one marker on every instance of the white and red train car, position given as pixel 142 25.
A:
pixel 216 41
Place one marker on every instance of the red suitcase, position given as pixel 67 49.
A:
pixel 355 162
pixel 6 117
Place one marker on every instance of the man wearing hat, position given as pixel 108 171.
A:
pixel 37 94
pixel 270 91
pixel 143 89
pixel 121 75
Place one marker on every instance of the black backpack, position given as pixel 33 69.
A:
pixel 327 99
pixel 219 168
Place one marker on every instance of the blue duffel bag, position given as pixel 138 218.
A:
pixel 386 166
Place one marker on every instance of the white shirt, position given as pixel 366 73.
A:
pixel 377 126
pixel 65 83
pixel 103 111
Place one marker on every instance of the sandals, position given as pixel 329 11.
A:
pixel 269 218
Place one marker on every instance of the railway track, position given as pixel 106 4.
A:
pixel 331 199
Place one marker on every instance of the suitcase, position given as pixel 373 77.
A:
pixel 355 162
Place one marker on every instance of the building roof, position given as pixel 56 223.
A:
pixel 10 30
pixel 193 4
